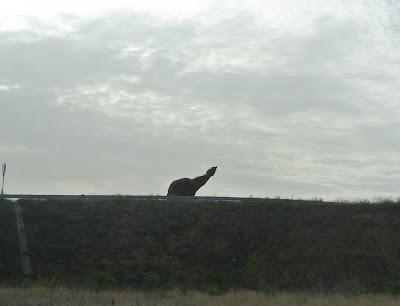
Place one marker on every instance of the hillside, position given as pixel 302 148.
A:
pixel 266 245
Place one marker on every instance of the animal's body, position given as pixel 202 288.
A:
pixel 187 186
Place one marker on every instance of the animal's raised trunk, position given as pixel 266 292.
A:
pixel 199 181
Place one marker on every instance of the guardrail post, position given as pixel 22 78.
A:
pixel 23 246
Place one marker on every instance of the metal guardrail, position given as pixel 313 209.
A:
pixel 130 197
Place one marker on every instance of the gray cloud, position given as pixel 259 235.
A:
pixel 126 102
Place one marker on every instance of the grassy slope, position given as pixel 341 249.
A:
pixel 9 252
pixel 276 244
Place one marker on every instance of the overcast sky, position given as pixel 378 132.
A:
pixel 288 98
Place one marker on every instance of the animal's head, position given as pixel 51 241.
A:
pixel 211 171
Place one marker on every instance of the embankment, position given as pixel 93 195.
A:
pixel 268 245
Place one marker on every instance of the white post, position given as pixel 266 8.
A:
pixel 4 168
pixel 23 246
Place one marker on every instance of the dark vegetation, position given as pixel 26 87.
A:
pixel 263 245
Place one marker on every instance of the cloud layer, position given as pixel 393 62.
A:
pixel 291 100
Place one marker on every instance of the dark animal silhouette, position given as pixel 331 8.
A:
pixel 188 187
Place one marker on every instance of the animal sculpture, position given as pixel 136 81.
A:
pixel 189 186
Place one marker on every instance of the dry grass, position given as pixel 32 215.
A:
pixel 41 296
